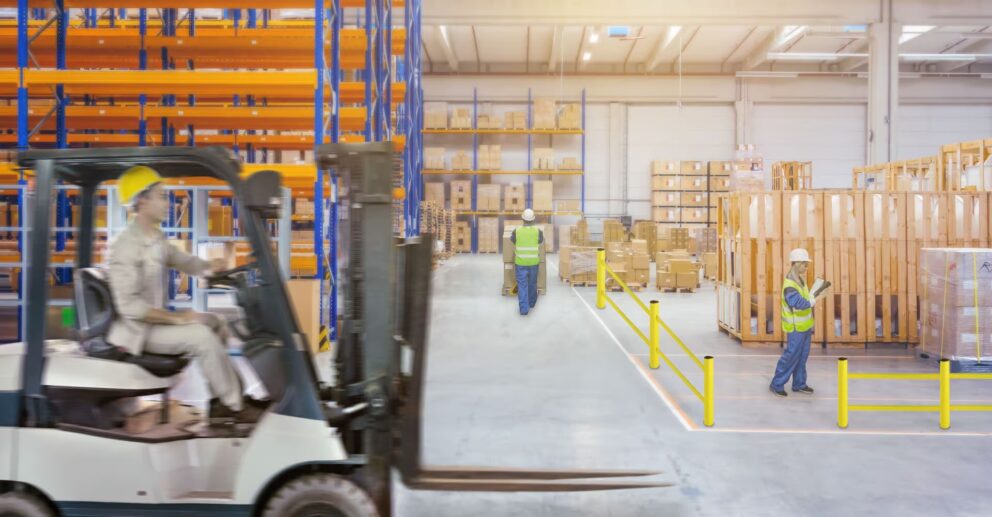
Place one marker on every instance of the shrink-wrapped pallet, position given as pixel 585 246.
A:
pixel 956 319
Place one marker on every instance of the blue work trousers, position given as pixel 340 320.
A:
pixel 793 361
pixel 526 287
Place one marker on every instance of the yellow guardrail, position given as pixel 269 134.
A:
pixel 943 378
pixel 652 340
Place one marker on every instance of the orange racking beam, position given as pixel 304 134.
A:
pixel 210 48
pixel 206 84
pixel 302 142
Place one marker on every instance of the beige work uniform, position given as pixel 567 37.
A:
pixel 139 267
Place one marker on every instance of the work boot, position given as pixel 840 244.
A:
pixel 805 389
pixel 780 392
pixel 221 415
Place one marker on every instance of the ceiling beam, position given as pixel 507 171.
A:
pixel 760 54
pixel 664 41
pixel 478 57
pixel 977 47
pixel 580 64
pixel 555 48
pixel 740 44
pixel 449 52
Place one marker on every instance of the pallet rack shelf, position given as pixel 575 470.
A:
pixel 530 132
pixel 334 83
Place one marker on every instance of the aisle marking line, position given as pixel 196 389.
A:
pixel 679 415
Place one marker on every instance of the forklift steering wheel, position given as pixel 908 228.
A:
pixel 225 278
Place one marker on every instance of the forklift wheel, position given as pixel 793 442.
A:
pixel 23 504
pixel 320 494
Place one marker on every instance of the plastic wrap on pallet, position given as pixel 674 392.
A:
pixel 956 287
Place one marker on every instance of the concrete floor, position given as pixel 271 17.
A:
pixel 568 387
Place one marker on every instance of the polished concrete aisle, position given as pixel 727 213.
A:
pixel 568 387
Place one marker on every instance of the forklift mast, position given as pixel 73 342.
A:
pixel 382 354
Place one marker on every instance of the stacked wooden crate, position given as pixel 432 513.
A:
pixel 967 165
pixel 866 244
pixel 686 192
pixel 792 175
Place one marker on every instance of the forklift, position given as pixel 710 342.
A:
pixel 318 450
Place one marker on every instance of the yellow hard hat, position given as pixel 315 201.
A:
pixel 134 181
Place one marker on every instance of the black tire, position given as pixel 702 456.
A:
pixel 320 495
pixel 23 504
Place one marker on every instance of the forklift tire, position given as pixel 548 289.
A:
pixel 320 494
pixel 23 504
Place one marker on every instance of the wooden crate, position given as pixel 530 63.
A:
pixel 886 267
pixel 792 175
pixel 694 183
pixel 872 177
pixel 968 219
pixel 662 199
pixel 750 266
pixel 665 182
pixel 665 215
pixel 917 175
pixel 926 227
pixel 802 226
pixel 694 199
pixel 845 316
pixel 963 165
pixel 689 168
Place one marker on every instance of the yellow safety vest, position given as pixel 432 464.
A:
pixel 526 249
pixel 798 320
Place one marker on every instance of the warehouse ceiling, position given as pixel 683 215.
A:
pixel 695 49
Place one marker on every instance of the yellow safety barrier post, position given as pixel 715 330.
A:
pixel 600 278
pixel 943 378
pixel 653 347
pixel 842 393
pixel 945 394
pixel 708 393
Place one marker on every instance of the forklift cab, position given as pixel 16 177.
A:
pixel 80 382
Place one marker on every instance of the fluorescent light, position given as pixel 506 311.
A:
pixel 594 37
pixel 810 56
pixel 586 56
pixel 938 57
pixel 913 31
pixel 976 35
pixel 768 75
pixel 986 76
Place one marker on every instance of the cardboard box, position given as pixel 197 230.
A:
pixel 679 237
pixel 720 183
pixel 220 220
pixel 570 116
pixel 693 168
pixel 488 121
pixel 662 258
pixel 666 183
pixel 461 118
pixel 693 183
pixel 695 215
pixel 436 115
pixel 694 199
pixel 515 120
pixel 434 158
pixel 720 168
pixel 613 231
pixel 710 265
pixel 304 297
pixel 665 280
pixel 490 157
pixel 641 261
pixel 687 280
pixel 665 215
pixel 542 196
pixel 681 266
pixel 544 159
pixel 461 238
pixel 666 199
pixel 569 163
pixel 513 198
pixel 568 205
pixel 489 197
pixel 488 235
pixel 434 192
pixel 461 195
pixel 664 167
pixel 461 161
pixel 544 114
pixel 639 246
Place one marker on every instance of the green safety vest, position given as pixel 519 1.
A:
pixel 526 249
pixel 799 320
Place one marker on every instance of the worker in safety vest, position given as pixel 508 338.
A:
pixel 797 323
pixel 527 241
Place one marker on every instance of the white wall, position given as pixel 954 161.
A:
pixel 818 119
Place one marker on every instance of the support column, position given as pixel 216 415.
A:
pixel 743 113
pixel 883 86
pixel 617 178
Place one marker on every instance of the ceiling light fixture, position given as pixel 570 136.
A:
pixel 594 37
pixel 586 56
pixel 810 56
pixel 941 57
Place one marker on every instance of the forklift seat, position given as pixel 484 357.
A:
pixel 95 311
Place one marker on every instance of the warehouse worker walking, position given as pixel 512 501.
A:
pixel 140 259
pixel 527 241
pixel 797 323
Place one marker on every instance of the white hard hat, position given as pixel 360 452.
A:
pixel 799 255
pixel 528 215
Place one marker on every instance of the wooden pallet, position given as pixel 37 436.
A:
pixel 578 284
pixel 678 289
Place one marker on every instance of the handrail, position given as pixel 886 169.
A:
pixel 652 340
pixel 944 378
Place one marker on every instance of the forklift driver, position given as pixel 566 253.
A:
pixel 140 259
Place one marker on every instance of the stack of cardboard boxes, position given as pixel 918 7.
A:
pixel 578 234
pixel 513 198
pixel 630 262
pixel 613 231
pixel 676 270
pixel 705 239
pixel 461 118
pixel 488 197
pixel 509 271
pixel 542 196
pixel 568 205
pixel 434 158
pixel 434 192
pixel 544 114
pixel 490 157
pixel 686 192
pixel 577 264
pixel 461 161
pixel 462 237
pixel 544 159
pixel 569 163
pixel 648 232
pixel 220 220
pixel 488 121
pixel 461 195
pixel 710 265
pixel 515 120
pixel 570 117
pixel 436 115
pixel 488 235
